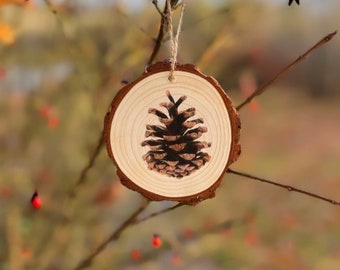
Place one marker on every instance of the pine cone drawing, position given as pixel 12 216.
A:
pixel 174 149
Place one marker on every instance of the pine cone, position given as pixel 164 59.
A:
pixel 176 152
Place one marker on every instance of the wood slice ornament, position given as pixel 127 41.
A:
pixel 172 139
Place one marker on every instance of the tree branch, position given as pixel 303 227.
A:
pixel 130 221
pixel 100 144
pixel 161 32
pixel 114 236
pixel 288 187
pixel 158 213
pixel 264 87
pixel 92 159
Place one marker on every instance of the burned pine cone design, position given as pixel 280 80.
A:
pixel 174 148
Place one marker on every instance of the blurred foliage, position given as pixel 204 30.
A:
pixel 6 34
pixel 57 79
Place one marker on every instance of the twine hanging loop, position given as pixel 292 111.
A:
pixel 173 38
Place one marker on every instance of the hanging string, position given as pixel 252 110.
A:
pixel 174 39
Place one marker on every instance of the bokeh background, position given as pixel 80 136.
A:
pixel 61 64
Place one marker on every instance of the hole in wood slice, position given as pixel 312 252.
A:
pixel 172 140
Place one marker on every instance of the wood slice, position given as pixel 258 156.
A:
pixel 170 151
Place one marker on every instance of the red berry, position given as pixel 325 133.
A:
pixel 188 233
pixel 175 260
pixel 45 111
pixel 2 73
pixel 5 192
pixel 35 200
pixel 53 121
pixel 26 254
pixel 156 241
pixel 254 106
pixel 252 238
pixel 136 254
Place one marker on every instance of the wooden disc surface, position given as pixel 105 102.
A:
pixel 126 122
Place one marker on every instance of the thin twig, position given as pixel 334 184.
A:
pixel 53 10
pixel 182 238
pixel 288 187
pixel 133 23
pixel 59 21
pixel 264 87
pixel 216 228
pixel 95 153
pixel 195 24
pixel 92 159
pixel 130 221
pixel 155 3
pixel 114 236
pixel 161 32
pixel 158 213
